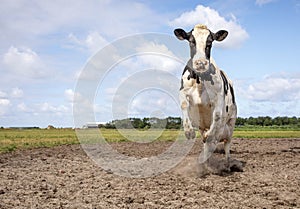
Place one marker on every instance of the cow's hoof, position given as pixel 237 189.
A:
pixel 190 134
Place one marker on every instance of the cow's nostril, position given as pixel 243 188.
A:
pixel 200 64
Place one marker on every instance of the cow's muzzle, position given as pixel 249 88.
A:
pixel 201 65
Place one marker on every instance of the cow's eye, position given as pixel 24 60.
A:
pixel 192 40
pixel 192 44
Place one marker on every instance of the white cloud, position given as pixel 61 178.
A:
pixel 263 2
pixel 49 108
pixel 110 91
pixel 214 21
pixel 78 99
pixel 150 102
pixel 151 47
pixel 4 102
pixel 93 42
pixel 22 107
pixel 3 94
pixel 17 93
pixel 277 94
pixel 4 105
pixel 69 95
pixel 46 107
pixel 24 62
pixel 273 88
pixel 157 56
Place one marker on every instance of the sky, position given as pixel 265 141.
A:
pixel 47 47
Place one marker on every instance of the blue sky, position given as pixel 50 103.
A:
pixel 45 45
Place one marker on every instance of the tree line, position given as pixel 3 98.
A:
pixel 268 121
pixel 176 123
pixel 145 123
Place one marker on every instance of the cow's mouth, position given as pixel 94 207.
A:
pixel 201 65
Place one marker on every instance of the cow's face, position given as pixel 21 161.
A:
pixel 200 39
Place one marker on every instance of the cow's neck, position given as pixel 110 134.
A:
pixel 203 76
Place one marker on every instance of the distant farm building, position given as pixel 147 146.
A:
pixel 50 127
pixel 93 124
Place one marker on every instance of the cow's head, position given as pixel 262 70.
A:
pixel 200 39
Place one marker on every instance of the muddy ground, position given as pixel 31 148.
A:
pixel 64 177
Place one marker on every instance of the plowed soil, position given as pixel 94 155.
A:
pixel 65 177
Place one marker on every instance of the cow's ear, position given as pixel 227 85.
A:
pixel 220 35
pixel 181 34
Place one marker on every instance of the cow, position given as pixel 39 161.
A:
pixel 206 94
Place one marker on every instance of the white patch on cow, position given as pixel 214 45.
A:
pixel 200 34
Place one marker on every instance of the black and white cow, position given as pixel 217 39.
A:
pixel 206 94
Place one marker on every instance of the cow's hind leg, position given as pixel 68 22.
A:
pixel 208 149
pixel 227 143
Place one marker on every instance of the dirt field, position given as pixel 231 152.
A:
pixel 64 177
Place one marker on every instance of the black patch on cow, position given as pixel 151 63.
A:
pixel 226 108
pixel 208 45
pixel 232 93
pixel 207 75
pixel 182 35
pixel 181 87
pixel 192 42
pixel 225 82
pixel 199 76
pixel 192 74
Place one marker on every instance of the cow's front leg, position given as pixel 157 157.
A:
pixel 218 124
pixel 187 124
pixel 213 135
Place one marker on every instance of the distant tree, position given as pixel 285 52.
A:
pixel 293 121
pixel 267 121
pixel 285 120
pixel 251 121
pixel 157 122
pixel 101 125
pixel 146 123
pixel 137 123
pixel 240 121
pixel 277 121
pixel 173 123
pixel 259 121
pixel 110 125
pixel 125 123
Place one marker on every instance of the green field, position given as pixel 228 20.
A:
pixel 12 139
